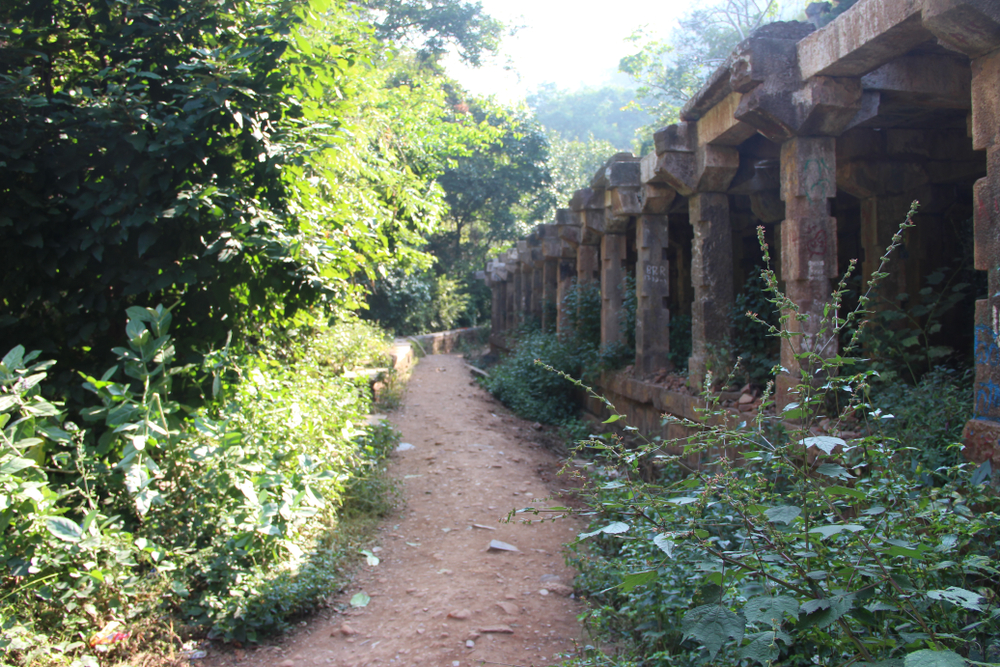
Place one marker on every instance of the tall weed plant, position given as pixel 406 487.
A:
pixel 788 547
pixel 221 518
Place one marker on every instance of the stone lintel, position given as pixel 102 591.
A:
pixel 715 167
pixel 564 216
pixel 552 248
pixel 720 127
pixel 986 101
pixel 656 199
pixel 928 80
pixel 677 138
pixel 969 26
pixel 878 177
pixel 865 37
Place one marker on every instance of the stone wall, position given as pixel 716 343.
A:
pixel 823 137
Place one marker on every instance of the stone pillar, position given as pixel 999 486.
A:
pixel 973 27
pixel 568 233
pixel 652 286
pixel 808 251
pixel 510 307
pixel 712 279
pixel 613 247
pixel 587 264
pixel 537 285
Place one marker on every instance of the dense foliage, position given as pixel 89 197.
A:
pixel 792 547
pixel 606 115
pixel 225 516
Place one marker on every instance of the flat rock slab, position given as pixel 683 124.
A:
pixel 497 545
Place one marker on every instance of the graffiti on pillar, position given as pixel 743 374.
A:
pixel 655 273
pixel 987 400
pixel 987 351
pixel 816 242
pixel 818 177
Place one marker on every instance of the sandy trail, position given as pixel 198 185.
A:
pixel 439 596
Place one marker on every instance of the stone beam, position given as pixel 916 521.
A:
pixel 656 199
pixel 782 107
pixel 969 26
pixel 720 127
pixel 652 281
pixel 928 80
pixel 863 38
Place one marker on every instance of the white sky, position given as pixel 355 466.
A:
pixel 573 44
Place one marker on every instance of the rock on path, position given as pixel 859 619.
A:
pixel 440 595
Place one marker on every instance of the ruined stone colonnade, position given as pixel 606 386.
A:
pixel 823 137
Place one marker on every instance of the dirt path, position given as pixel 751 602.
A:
pixel 441 596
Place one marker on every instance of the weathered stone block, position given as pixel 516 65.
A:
pixel 720 127
pixel 986 101
pixel 929 80
pixel 676 138
pixel 969 26
pixel 715 167
pixel 868 35
pixel 656 200
pixel 809 249
pixel 769 51
pixel 808 168
pixel 620 204
pixel 767 206
pixel 623 173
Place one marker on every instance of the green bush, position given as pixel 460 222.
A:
pixel 226 518
pixel 795 548
pixel 526 388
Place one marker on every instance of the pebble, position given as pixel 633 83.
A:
pixel 470 644
pixel 286 663
pixel 560 589
pixel 347 630
pixel 460 614
pixel 497 545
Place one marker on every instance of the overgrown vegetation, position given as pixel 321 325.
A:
pixel 226 517
pixel 872 544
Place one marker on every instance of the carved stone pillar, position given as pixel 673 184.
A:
pixel 613 248
pixel 808 251
pixel 712 279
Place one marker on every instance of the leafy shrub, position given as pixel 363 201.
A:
pixel 680 341
pixel 410 303
pixel 752 342
pixel 582 305
pixel 527 389
pixel 227 517
pixel 793 547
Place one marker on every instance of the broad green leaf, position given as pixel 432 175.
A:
pixel 13 465
pixel 763 647
pixel 823 612
pixel 836 529
pixel 958 596
pixel 8 402
pixel 833 470
pixel 630 581
pixel 712 625
pixel 611 529
pixel 64 529
pixel 931 658
pixel 785 514
pixel 612 419
pixel 370 558
pixel 769 611
pixel 665 544
pixel 845 491
pixel 826 443
pixel 360 599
